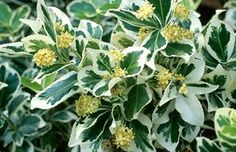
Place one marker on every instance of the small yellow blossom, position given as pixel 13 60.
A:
pixel 118 72
pixel 44 57
pixel 123 137
pixel 145 11
pixel 175 33
pixel 86 105
pixel 59 27
pixel 65 40
pixel 181 12
pixel 164 77
pixel 143 33
pixel 183 89
pixel 179 77
pixel 117 55
pixel 117 90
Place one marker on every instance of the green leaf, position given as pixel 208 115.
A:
pixel 13 50
pixel 134 60
pixel 63 116
pixel 94 29
pixel 30 124
pixel 169 94
pixel 214 101
pixel 161 113
pixel 10 77
pixel 34 43
pixel 27 146
pixel 102 63
pixel 190 109
pixel 201 87
pixel 138 97
pixel 154 42
pixel 57 92
pixel 17 103
pixel 5 14
pixel 81 10
pixel 48 17
pixel 130 18
pixel 206 145
pixel 192 4
pixel 34 86
pixel 190 132
pixel 21 12
pixel 51 70
pixel 95 83
pixel 87 79
pixel 18 138
pixel 220 40
pixel 121 40
pixel 142 132
pixel 49 79
pixel 162 9
pixel 80 45
pixel 167 134
pixel 183 50
pixel 91 129
pixel 103 8
pixel 225 125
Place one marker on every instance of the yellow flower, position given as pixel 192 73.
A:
pixel 86 105
pixel 123 137
pixel 163 78
pixel 65 40
pixel 175 33
pixel 179 77
pixel 118 72
pixel 117 90
pixel 183 89
pixel 44 57
pixel 145 11
pixel 143 33
pixel 181 12
pixel 59 27
pixel 117 55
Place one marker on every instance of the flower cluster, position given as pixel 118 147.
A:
pixel 143 33
pixel 86 105
pixel 175 33
pixel 145 12
pixel 118 72
pixel 117 55
pixel 124 137
pixel 44 57
pixel 181 12
pixel 183 89
pixel 59 28
pixel 163 78
pixel 65 40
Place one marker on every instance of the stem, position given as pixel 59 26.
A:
pixel 11 124
pixel 38 149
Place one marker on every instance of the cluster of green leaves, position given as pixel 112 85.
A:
pixel 21 129
pixel 160 117
pixel 10 25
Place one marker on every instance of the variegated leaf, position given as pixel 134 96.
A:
pixel 92 28
pixel 206 145
pixel 57 92
pixel 138 97
pixel 225 125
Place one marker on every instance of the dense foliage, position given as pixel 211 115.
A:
pixel 121 75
